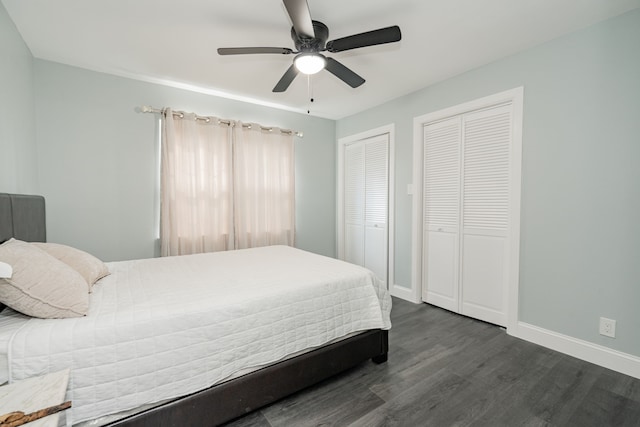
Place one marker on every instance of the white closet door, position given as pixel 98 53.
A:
pixel 366 204
pixel 441 208
pixel 485 218
pixel 354 203
pixel 376 205
pixel 469 205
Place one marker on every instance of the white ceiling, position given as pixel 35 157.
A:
pixel 175 41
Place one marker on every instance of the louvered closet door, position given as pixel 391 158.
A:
pixel 485 217
pixel 354 199
pixel 441 208
pixel 376 204
pixel 366 189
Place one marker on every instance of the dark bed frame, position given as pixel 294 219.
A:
pixel 23 217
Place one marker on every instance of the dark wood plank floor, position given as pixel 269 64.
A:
pixel 449 370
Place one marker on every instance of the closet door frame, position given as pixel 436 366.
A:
pixel 340 234
pixel 515 98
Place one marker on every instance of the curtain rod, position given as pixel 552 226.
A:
pixel 148 109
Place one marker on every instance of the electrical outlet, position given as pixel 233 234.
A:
pixel 607 327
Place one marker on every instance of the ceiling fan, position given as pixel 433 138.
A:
pixel 310 38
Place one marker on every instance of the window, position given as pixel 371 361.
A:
pixel 223 186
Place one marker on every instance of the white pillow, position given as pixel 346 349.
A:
pixel 5 271
pixel 41 286
pixel 89 267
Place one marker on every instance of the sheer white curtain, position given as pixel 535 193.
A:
pixel 224 187
pixel 196 208
pixel 264 189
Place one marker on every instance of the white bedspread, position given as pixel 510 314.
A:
pixel 165 327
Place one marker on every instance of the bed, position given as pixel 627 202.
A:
pixel 255 325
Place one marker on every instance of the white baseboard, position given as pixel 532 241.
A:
pixel 603 356
pixel 401 292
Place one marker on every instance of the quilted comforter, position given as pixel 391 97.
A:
pixel 166 327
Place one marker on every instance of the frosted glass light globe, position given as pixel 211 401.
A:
pixel 309 63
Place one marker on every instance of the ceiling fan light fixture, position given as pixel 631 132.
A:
pixel 310 63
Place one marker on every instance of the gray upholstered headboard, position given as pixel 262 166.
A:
pixel 22 217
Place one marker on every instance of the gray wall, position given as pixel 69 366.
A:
pixel 98 160
pixel 580 235
pixel 18 173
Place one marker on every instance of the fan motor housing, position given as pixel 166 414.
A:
pixel 311 44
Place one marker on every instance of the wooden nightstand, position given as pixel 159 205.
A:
pixel 34 394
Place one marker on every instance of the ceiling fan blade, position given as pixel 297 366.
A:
pixel 249 50
pixel 370 38
pixel 298 11
pixel 343 73
pixel 286 79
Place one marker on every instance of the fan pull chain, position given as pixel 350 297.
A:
pixel 309 91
